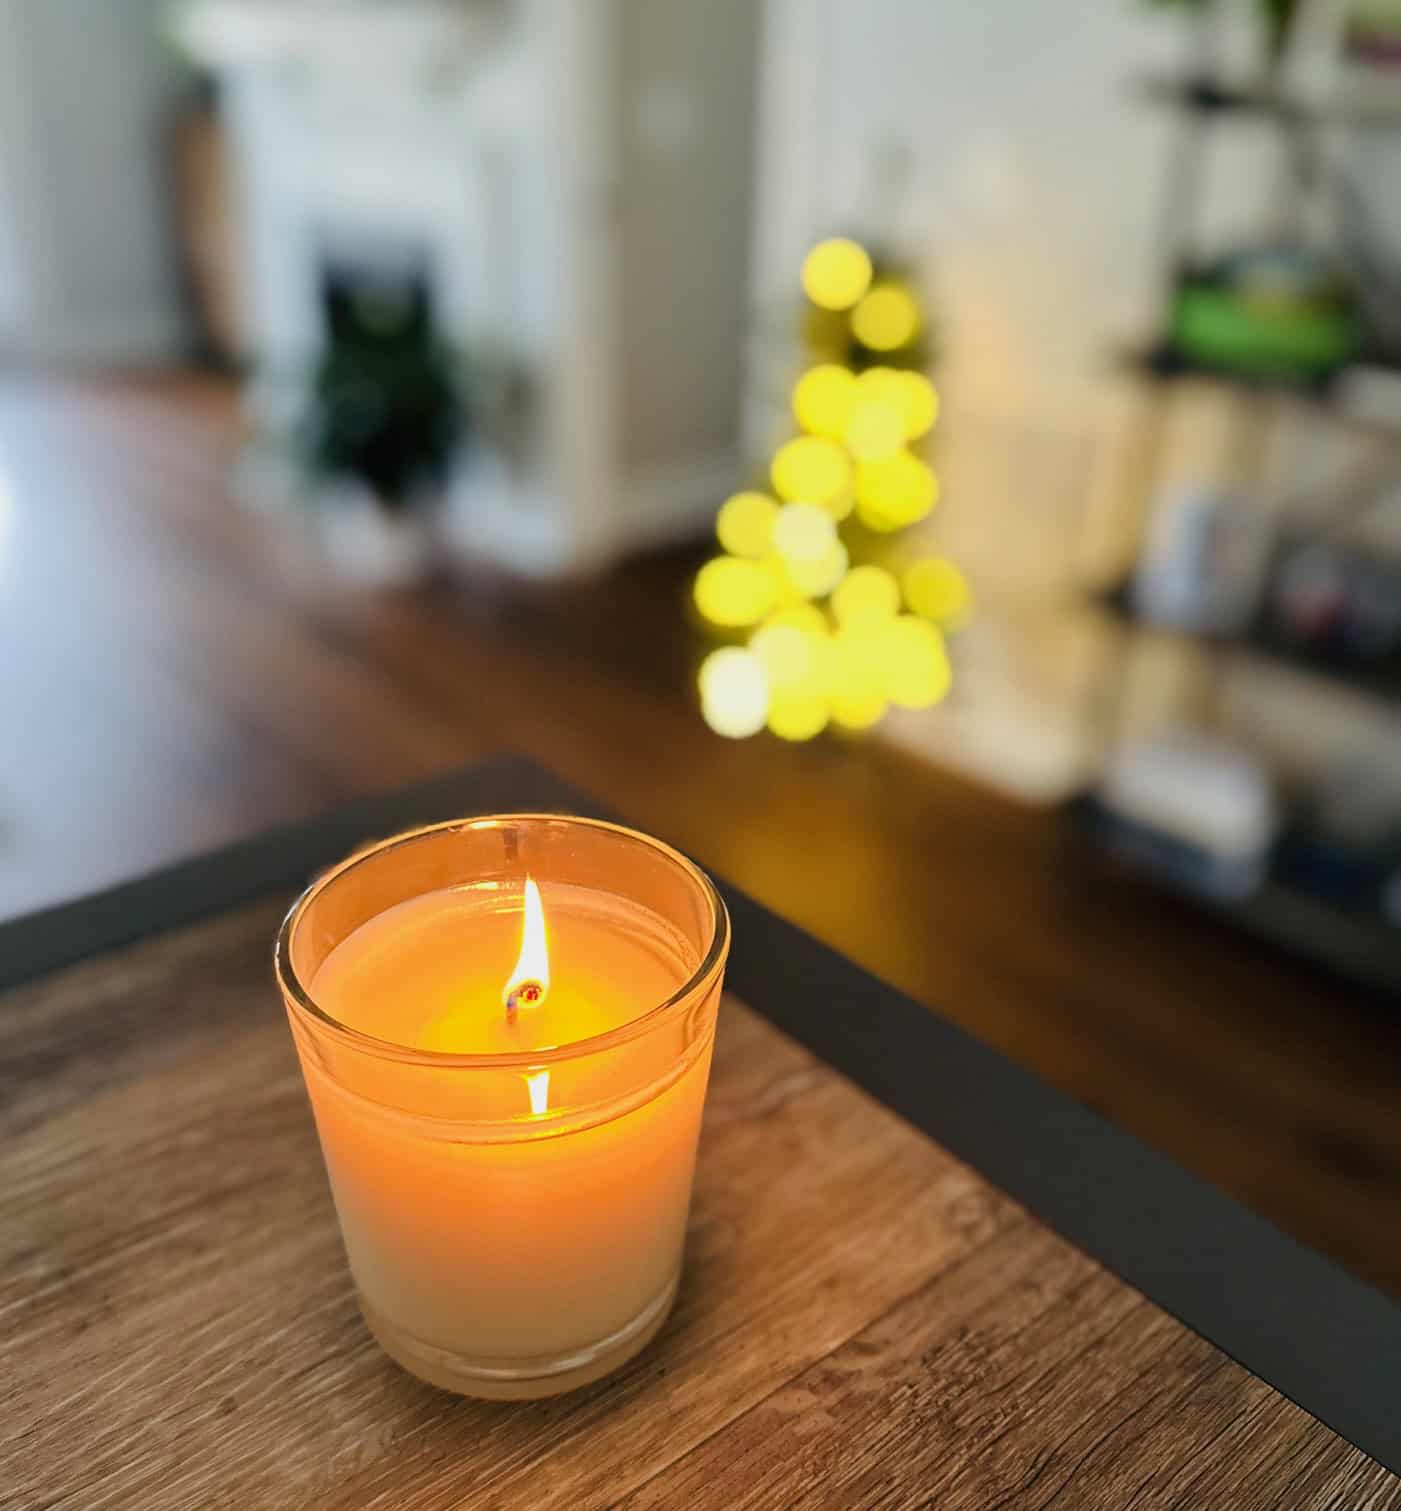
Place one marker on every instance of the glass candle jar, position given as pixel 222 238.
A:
pixel 505 1026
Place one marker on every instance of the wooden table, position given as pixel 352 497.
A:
pixel 865 1321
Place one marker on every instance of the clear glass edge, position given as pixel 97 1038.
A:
pixel 698 984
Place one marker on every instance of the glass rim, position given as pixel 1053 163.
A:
pixel 708 969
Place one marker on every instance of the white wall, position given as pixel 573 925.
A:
pixel 1037 175
pixel 88 270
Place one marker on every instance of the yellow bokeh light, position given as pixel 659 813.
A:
pixel 806 617
pixel 734 692
pixel 733 592
pixel 786 593
pixel 914 664
pixel 836 273
pixel 798 715
pixel 911 393
pixel 882 385
pixel 823 399
pixel 840 504
pixel 876 429
pixel 887 318
pixel 857 710
pixel 894 492
pixel 866 595
pixel 804 533
pixel 815 579
pixel 937 590
pixel 791 658
pixel 745 523
pixel 855 682
pixel 811 469
pixel 919 402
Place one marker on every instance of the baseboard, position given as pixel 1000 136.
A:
pixel 130 338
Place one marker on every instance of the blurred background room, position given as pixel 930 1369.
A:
pixel 939 461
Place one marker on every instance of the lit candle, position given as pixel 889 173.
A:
pixel 505 1027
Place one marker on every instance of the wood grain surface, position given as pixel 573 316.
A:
pixel 864 1322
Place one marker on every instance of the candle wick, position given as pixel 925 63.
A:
pixel 526 994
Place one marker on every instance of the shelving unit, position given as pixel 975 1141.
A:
pixel 1358 942
pixel 1164 361
pixel 1211 96
pixel 1358 945
pixel 1256 639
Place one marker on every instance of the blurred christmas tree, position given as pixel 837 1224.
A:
pixel 821 628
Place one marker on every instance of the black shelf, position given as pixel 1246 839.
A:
pixel 1357 945
pixel 1165 362
pixel 1205 95
pixel 1381 681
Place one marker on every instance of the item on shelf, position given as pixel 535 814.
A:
pixel 1371 40
pixel 1391 898
pixel 1367 170
pixel 1197 808
pixel 1309 303
pixel 1336 604
pixel 1277 312
pixel 1204 560
pixel 1345 844
pixel 1277 17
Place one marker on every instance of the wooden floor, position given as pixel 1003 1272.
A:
pixel 169 683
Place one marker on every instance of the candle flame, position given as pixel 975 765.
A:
pixel 538 1085
pixel 530 980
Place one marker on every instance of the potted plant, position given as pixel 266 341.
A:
pixel 383 425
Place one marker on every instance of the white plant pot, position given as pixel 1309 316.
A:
pixel 372 546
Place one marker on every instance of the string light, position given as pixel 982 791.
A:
pixel 733 592
pixel 815 579
pixel 799 715
pixel 811 469
pixel 791 648
pixel 919 403
pixel 866 595
pixel 879 640
pixel 823 399
pixel 914 664
pixel 787 593
pixel 734 692
pixel 804 533
pixel 856 690
pixel 790 656
pixel 806 617
pixel 836 273
pixel 894 492
pixel 886 319
pixel 875 429
pixel 935 589
pixel 745 523
pixel 910 393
